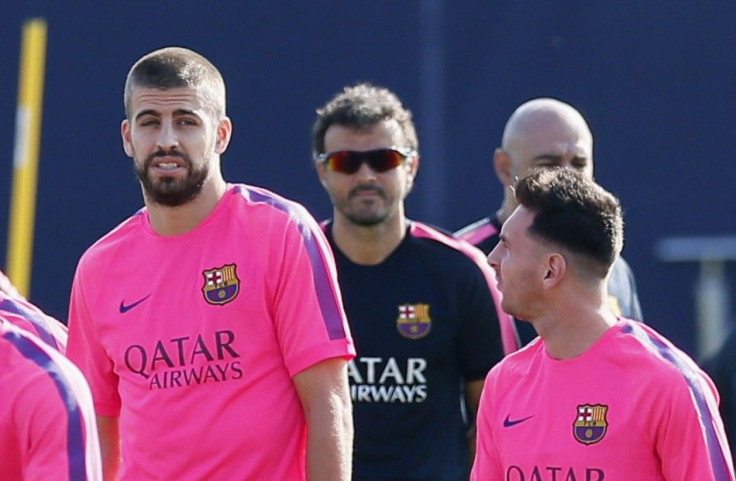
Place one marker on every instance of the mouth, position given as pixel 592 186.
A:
pixel 168 164
pixel 498 280
pixel 366 192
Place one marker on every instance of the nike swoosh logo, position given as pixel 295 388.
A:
pixel 507 423
pixel 125 308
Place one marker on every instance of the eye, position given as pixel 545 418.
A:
pixel 187 121
pixel 547 162
pixel 146 122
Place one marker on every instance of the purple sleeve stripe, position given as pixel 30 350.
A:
pixel 477 234
pixel 40 323
pixel 323 285
pixel 509 336
pixel 75 440
pixel 715 450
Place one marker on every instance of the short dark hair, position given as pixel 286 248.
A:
pixel 574 213
pixel 174 67
pixel 362 106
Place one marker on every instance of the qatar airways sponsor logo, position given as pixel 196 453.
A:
pixel 554 473
pixel 186 361
pixel 379 380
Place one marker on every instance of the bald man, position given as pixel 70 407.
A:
pixel 546 132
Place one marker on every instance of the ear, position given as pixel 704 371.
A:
pixel 224 134
pixel 412 170
pixel 502 166
pixel 127 141
pixel 321 173
pixel 555 270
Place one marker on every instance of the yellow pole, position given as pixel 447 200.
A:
pixel 26 153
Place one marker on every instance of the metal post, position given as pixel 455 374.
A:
pixel 712 293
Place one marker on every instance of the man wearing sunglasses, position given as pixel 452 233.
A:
pixel 421 304
pixel 546 132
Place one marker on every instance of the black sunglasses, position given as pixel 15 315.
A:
pixel 379 160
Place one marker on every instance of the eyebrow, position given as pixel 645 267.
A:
pixel 558 158
pixel 156 113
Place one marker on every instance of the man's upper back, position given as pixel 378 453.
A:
pixel 27 316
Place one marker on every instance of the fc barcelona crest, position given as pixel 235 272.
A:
pixel 414 321
pixel 221 284
pixel 590 423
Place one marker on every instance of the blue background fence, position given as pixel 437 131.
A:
pixel 654 79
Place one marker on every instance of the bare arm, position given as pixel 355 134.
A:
pixel 109 432
pixel 325 397
pixel 472 400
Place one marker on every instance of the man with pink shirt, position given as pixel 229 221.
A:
pixel 18 311
pixel 47 425
pixel 209 324
pixel 595 397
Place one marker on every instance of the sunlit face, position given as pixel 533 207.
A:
pixel 174 141
pixel 551 140
pixel 518 260
pixel 368 198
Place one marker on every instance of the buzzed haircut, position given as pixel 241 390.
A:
pixel 574 213
pixel 360 107
pixel 176 67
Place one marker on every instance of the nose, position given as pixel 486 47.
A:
pixel 493 256
pixel 167 137
pixel 365 173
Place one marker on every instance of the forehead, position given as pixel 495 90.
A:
pixel 517 224
pixel 165 101
pixel 559 134
pixel 547 132
pixel 386 133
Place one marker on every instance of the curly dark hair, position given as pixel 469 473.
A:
pixel 362 106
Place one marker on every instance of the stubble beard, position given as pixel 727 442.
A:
pixel 168 191
pixel 364 216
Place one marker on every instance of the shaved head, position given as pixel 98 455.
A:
pixel 542 132
pixel 547 132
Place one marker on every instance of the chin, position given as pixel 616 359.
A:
pixel 367 220
pixel 511 311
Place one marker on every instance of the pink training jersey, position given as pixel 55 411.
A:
pixel 193 340
pixel 633 407
pixel 27 316
pixel 47 421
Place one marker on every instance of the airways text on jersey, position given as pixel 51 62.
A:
pixel 186 361
pixel 374 379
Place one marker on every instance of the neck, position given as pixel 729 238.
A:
pixel 507 207
pixel 368 245
pixel 576 325
pixel 170 221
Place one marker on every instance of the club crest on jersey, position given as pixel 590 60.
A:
pixel 221 284
pixel 590 423
pixel 414 321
